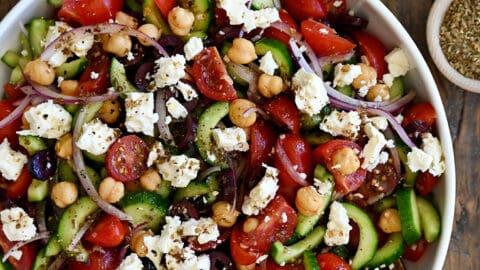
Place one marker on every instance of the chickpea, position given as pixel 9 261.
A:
pixel 242 51
pixel 367 77
pixel 389 221
pixel 111 190
pixel 64 193
pixel 180 21
pixel 250 224
pixel 119 44
pixel 110 111
pixel 346 160
pixel 239 112
pixel 64 146
pixel 223 214
pixel 69 87
pixel 137 243
pixel 150 180
pixel 379 92
pixel 150 30
pixel 125 19
pixel 39 72
pixel 269 85
pixel 308 201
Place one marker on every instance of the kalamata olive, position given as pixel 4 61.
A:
pixel 138 52
pixel 43 164
pixel 224 236
pixel 348 22
pixel 147 264
pixel 172 44
pixel 220 261
pixel 184 132
pixel 185 210
pixel 140 76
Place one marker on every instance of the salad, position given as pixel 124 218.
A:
pixel 227 134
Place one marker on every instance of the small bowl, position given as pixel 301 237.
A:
pixel 435 19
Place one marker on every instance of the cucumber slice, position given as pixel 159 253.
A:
pixel 342 252
pixel 367 245
pixel 194 189
pixel 32 144
pixel 164 190
pixel 72 69
pixel 389 252
pixel 53 247
pixel 97 159
pixel 429 219
pixel 234 69
pixel 92 110
pixel 280 54
pixel 25 46
pixel 310 261
pixel 152 15
pixel 261 4
pixel 37 31
pixel 119 80
pixel 410 177
pixel 409 216
pixel 37 191
pixel 41 261
pixel 202 11
pixel 347 90
pixel 134 5
pixel 11 58
pixel 65 171
pixel 397 89
pixel 55 3
pixel 145 207
pixel 385 203
pixel 16 77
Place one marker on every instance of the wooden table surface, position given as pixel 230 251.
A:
pixel 463 111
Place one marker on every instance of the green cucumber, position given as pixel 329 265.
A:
pixel 11 58
pixel 429 219
pixel 397 90
pixel 280 54
pixel 261 4
pixel 53 247
pixel 367 245
pixel 233 69
pixel 305 224
pixel 92 110
pixel 41 261
pixel 410 177
pixel 152 15
pixel 55 3
pixel 164 190
pixel 119 80
pixel 347 90
pixel 310 261
pixel 202 11
pixel 97 159
pixel 193 190
pixel 145 207
pixel 37 191
pixel 317 138
pixel 25 46
pixel 72 69
pixel 389 252
pixel 65 171
pixel 385 203
pixel 32 144
pixel 409 215
pixel 327 72
pixel 5 265
pixel 134 5
pixel 16 77
pixel 37 31
pixel 203 141
pixel 342 252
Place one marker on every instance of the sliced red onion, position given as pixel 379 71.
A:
pixel 316 64
pixel 161 110
pixel 394 152
pixel 81 232
pixel 395 125
pixel 40 217
pixel 17 246
pixel 289 168
pixel 285 28
pixel 255 110
pixel 17 113
pixel 302 62
pixel 208 172
pixel 335 58
pixel 249 75
pixel 58 262
pixel 87 185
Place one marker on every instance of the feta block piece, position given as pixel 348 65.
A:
pixel 140 116
pixel 231 139
pixel 185 259
pixel 379 122
pixel 345 74
pixel 176 109
pixel 170 238
pixel 310 93
pixel 54 31
pixel 341 123
pixel 131 262
pixel 418 160
pixel 397 61
pixel 193 47
pixel 47 120
pixel 268 64
pixel 169 70
pixel 156 153
pixel 152 243
pixel 17 225
pixel 12 161
pixel 430 157
pixel 238 13
pixel 372 151
pixel 323 187
pixel 388 79
pixel 262 193
pixel 338 228
pixel 180 170
pixel 205 229
pixel 81 46
pixel 96 137
pixel 187 91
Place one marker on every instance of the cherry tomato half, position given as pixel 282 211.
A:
pixel 279 35
pixel 285 112
pixel 419 114
pixel 18 188
pixel 87 86
pixel 416 250
pixel 9 131
pixel 98 259
pixel 13 93
pixel 29 252
pixel 330 261
pixel 241 254
pixel 108 232
pixel 126 158
pixel 323 39
pixel 334 7
pixel 262 140
pixel 374 50
pixel 86 12
pixel 425 183
pixel 304 9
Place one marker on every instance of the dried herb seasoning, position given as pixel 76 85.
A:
pixel 460 37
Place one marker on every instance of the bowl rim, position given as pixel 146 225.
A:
pixel 434 22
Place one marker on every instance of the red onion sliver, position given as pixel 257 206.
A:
pixel 58 262
pixel 161 110
pixel 17 113
pixel 289 168
pixel 208 172
pixel 316 64
pixel 299 56
pixel 285 28
pixel 41 235
pixel 394 152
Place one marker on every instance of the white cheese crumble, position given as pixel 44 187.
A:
pixel 47 120
pixel 262 193
pixel 185 259
pixel 176 109
pixel 140 116
pixel 338 228
pixel 17 225
pixel 180 170
pixel 388 79
pixel 169 70
pixel 238 13
pixel 193 47
pixel 205 229
pixel 131 262
pixel 372 151
pixel 345 74
pixel 231 139
pixel 12 161
pixel 268 64
pixel 430 157
pixel 94 75
pixel 341 123
pixel 155 153
pixel 310 93
pixel 96 137
pixel 170 238
pixel 323 187
pixel 187 91
pixel 379 122
pixel 397 61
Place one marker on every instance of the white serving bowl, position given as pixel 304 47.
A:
pixel 386 27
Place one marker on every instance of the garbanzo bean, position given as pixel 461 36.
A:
pixel 242 51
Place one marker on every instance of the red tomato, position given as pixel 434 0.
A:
pixel 242 254
pixel 419 114
pixel 29 252
pixel 323 40
pixel 99 259
pixel 13 92
pixel 334 7
pixel 18 188
pixel 425 183
pixel 285 112
pixel 343 183
pixel 374 50
pixel 380 182
pixel 304 9
pixel 270 264
pixel 88 86
pixel 262 140
pixel 86 12
pixel 9 131
pixel 108 232
pixel 221 18
pixel 293 153
pixel 277 34
pixel 416 250
pixel 211 76
pixel 330 261
pixel 165 6
pixel 126 158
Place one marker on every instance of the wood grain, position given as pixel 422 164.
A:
pixel 463 111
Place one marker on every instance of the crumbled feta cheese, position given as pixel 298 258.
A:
pixel 96 137
pixel 379 122
pixel 54 31
pixel 268 64
pixel 310 93
pixel 261 259
pixel 238 13
pixel 399 118
pixel 130 56
pixel 140 116
pixel 284 218
pixel 180 170
pixel 345 74
pixel 17 254
pixel 169 70
pixel 176 109
pixel 170 238
pixel 323 187
pixel 131 262
pixel 388 79
pixel 231 139
pixel 430 157
pixel 372 151
pixel 24 52
pixel 337 3
pixel 341 123
pixel 157 151
pixel 12 161
pixel 47 120
pixel 152 243
pixel 205 229
pixel 81 46
pixel 94 75
pixel 262 193
pixel 397 61
pixel 17 225
pixel 185 259
pixel 187 91
pixel 418 160
pixel 193 47
pixel 338 228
